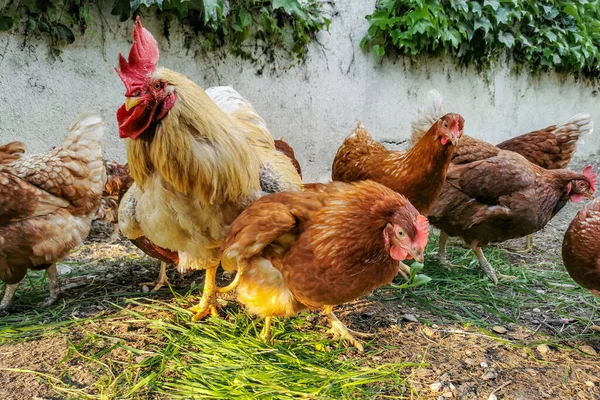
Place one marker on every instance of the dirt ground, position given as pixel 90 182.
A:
pixel 449 359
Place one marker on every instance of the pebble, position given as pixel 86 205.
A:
pixel 109 276
pixel 536 310
pixel 139 359
pixel 451 386
pixel 492 397
pixel 410 318
pixel 590 384
pixel 499 329
pixel 470 361
pixel 436 386
pixel 543 348
pixel 540 291
pixel 447 395
pixel 63 270
pixel 588 350
pixel 468 352
pixel 484 364
pixel 596 328
pixel 489 375
pixel 428 331
pixel 145 289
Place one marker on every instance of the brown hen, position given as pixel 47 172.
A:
pixel 283 146
pixel 581 247
pixel 118 181
pixel 330 244
pixel 47 203
pixel 417 173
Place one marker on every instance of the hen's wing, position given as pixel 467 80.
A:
pixel 11 151
pixel 554 146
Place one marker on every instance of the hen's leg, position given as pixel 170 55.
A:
pixel 52 285
pixel 487 267
pixel 236 281
pixel 115 235
pixel 340 331
pixel 265 334
pixel 441 254
pixel 8 295
pixel 528 245
pixel 208 303
pixel 162 279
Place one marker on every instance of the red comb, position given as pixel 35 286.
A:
pixel 589 174
pixel 422 235
pixel 143 57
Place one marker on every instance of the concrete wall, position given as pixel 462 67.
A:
pixel 314 106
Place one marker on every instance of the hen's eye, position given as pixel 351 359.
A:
pixel 401 233
pixel 157 86
pixel 445 124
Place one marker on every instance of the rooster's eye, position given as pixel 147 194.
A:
pixel 136 93
pixel 158 85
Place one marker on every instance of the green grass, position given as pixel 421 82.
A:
pixel 143 346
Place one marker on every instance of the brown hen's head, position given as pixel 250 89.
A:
pixel 577 189
pixel 406 239
pixel 148 99
pixel 448 129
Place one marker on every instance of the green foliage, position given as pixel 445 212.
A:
pixel 254 29
pixel 543 35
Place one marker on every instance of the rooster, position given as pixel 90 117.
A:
pixel 47 203
pixel 418 173
pixel 330 244
pixel 197 161
pixel 492 195
pixel 581 247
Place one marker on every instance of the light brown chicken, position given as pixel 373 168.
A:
pixel 47 203
pixel 581 247
pixel 198 160
pixel 417 173
pixel 330 244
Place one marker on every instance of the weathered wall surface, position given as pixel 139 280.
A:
pixel 314 106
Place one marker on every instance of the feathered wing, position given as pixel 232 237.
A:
pixel 554 146
pixel 427 114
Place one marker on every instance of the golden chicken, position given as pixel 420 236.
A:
pixel 47 203
pixel 330 244
pixel 197 161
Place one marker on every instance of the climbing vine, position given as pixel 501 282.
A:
pixel 539 35
pixel 253 29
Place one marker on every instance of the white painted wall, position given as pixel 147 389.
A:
pixel 314 106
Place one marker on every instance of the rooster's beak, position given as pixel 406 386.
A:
pixel 131 102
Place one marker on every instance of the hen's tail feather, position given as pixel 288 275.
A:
pixel 575 128
pixel 431 110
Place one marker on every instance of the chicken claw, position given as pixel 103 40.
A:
pixel 340 331
pixel 441 254
pixel 163 279
pixel 484 263
pixel 528 245
pixel 9 292
pixel 208 303
pixel 52 285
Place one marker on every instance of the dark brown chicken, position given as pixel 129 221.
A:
pixel 283 146
pixel 417 173
pixel 117 183
pixel 581 247
pixel 325 246
pixel 492 195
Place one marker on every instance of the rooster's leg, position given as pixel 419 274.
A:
pixel 441 254
pixel 265 334
pixel 8 295
pixel 208 303
pixel 162 279
pixel 52 285
pixel 340 331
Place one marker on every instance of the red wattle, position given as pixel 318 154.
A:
pixel 398 253
pixel 134 122
pixel 444 140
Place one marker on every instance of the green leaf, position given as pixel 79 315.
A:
pixel 64 33
pixel 420 280
pixel 245 17
pixel 122 8
pixel 507 39
pixel 291 7
pixel 551 36
pixel 379 50
pixel 494 4
pixel 6 23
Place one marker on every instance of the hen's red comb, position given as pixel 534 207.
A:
pixel 143 57
pixel 422 235
pixel 589 174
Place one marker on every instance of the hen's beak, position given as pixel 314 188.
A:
pixel 131 102
pixel 589 196
pixel 417 254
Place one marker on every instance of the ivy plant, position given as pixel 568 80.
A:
pixel 539 35
pixel 254 29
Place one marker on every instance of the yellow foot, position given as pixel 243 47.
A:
pixel 340 331
pixel 205 307
pixel 265 334
pixel 507 277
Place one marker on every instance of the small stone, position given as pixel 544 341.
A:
pixel 489 375
pixel 589 384
pixel 540 291
pixel 447 395
pixel 543 348
pixel 139 359
pixel 499 329
pixel 470 361
pixel 109 276
pixel 536 310
pixel 145 289
pixel 492 396
pixel 531 371
pixel 588 350
pixel 410 318
pixel 451 386
pixel 484 364
pixel 596 328
pixel 468 352
pixel 377 358
pixel 436 386
pixel 428 331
